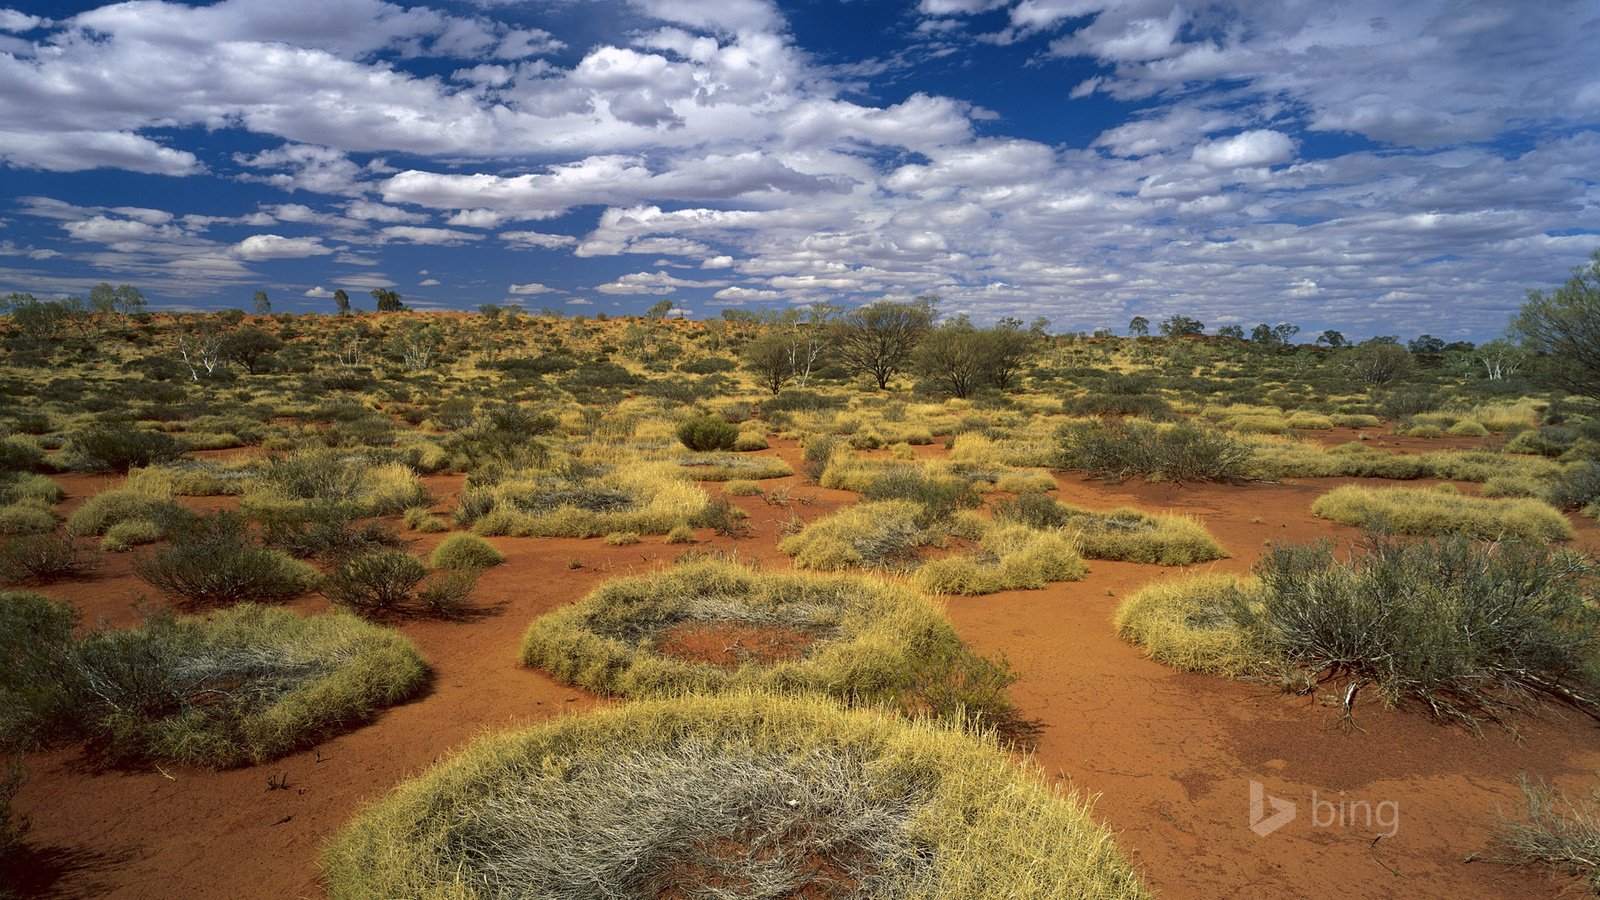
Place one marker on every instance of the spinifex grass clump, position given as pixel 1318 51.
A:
pixel 246 685
pixel 1423 511
pixel 1123 534
pixel 1010 557
pixel 573 498
pixel 1467 629
pixel 749 796
pixel 332 476
pixel 854 637
pixel 727 466
pixel 882 534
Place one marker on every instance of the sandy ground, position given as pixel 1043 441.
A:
pixel 1396 806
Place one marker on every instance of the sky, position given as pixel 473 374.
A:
pixel 1373 167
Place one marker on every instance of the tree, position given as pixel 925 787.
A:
pixel 1139 326
pixel 1379 362
pixel 1007 350
pixel 878 339
pixel 1500 359
pixel 341 302
pixel 1425 344
pixel 659 309
pixel 1263 334
pixel 252 348
pixel 1331 338
pixel 490 311
pixel 768 359
pixel 1180 326
pixel 201 350
pixel 953 356
pixel 263 306
pixel 1040 327
pixel 388 300
pixel 1285 331
pixel 420 345
pixel 1563 329
pixel 1231 331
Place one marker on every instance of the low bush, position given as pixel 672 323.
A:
pixel 216 561
pixel 708 433
pixel 420 518
pixel 1466 629
pixel 1578 486
pixel 1424 511
pixel 741 487
pixel 728 466
pixel 1145 406
pixel 45 557
pixel 246 685
pixel 1118 450
pixel 377 582
pixel 465 551
pixel 780 797
pixel 122 447
pixel 126 535
pixel 1556 830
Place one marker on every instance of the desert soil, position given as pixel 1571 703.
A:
pixel 1393 805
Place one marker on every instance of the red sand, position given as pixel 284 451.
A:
pixel 1170 755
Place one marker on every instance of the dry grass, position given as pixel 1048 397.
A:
pixel 749 796
pixel 1423 511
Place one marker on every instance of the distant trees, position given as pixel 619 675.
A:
pixel 261 304
pixel 1500 359
pixel 1274 335
pixel 1563 329
pixel 1181 326
pixel 960 358
pixel 1236 332
pixel 1331 338
pixel 1139 326
pixel 124 299
pixel 659 310
pixel 341 302
pixel 388 300
pixel 878 339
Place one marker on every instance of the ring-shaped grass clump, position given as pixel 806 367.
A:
pixel 750 796
pixel 860 638
pixel 244 685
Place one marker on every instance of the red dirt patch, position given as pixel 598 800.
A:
pixel 1170 755
pixel 733 644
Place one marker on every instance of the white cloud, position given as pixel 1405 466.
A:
pixel 736 295
pixel 652 283
pixel 532 287
pixel 428 282
pixel 538 239
pixel 274 246
pixel 76 151
pixel 415 234
pixel 319 293
pixel 1261 147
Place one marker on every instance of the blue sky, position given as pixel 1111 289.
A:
pixel 1367 166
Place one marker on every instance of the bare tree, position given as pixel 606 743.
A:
pixel 202 350
pixel 769 358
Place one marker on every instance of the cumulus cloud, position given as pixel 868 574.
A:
pixel 652 283
pixel 539 239
pixel 1261 147
pixel 274 246
pixel 416 234
pixel 532 287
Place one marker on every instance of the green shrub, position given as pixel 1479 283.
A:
pixel 215 561
pixel 122 447
pixel 43 557
pixel 20 455
pixel 1578 486
pixel 1465 629
pixel 322 530
pixel 246 685
pixel 1468 428
pixel 465 551
pixel 420 518
pixel 377 582
pixel 663 798
pixel 740 487
pixel 1118 450
pixel 1122 534
pixel 708 433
